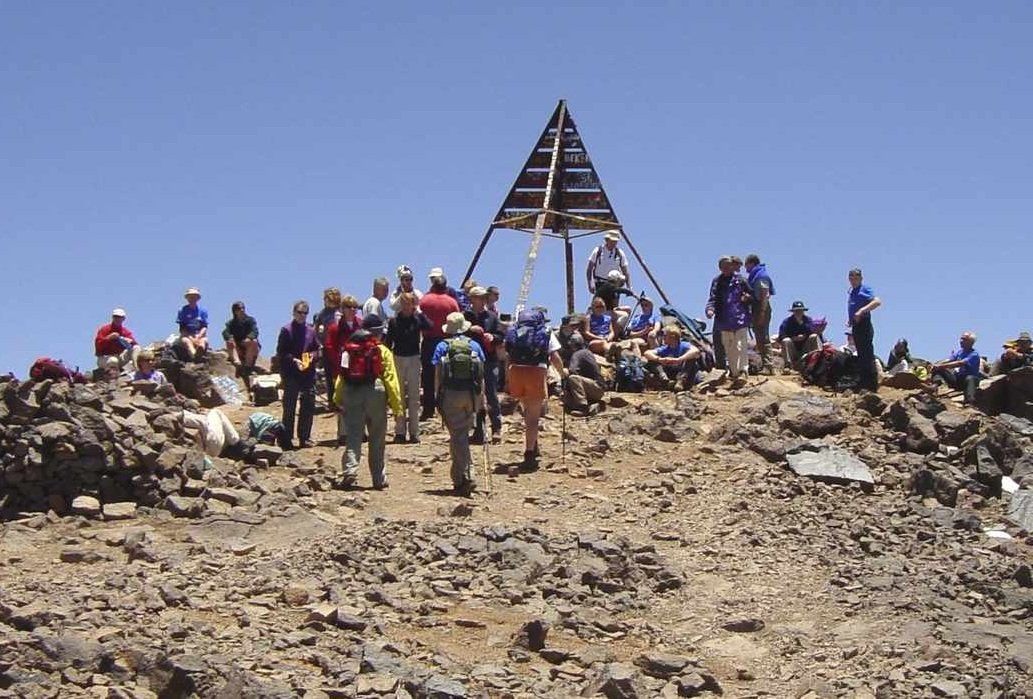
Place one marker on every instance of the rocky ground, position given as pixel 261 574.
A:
pixel 668 550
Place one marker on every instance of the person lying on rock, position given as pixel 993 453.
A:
pixel 1017 354
pixel 962 370
pixel 677 359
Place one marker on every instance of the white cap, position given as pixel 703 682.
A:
pixel 436 272
pixel 119 312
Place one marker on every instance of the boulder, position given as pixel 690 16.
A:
pixel 829 463
pixel 811 417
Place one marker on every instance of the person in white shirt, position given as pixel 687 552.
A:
pixel 606 258
pixel 405 286
pixel 375 305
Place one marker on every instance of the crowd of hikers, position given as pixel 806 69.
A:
pixel 449 351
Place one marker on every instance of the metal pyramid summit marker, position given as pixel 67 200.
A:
pixel 557 191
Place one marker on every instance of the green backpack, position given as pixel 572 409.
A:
pixel 463 369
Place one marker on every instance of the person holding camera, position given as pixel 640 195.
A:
pixel 729 306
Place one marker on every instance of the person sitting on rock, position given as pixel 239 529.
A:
pixel 114 344
pixel 899 359
pixel 366 386
pixel 584 386
pixel 643 328
pixel 797 336
pixel 677 359
pixel 599 327
pixel 1017 354
pixel 192 320
pixel 145 370
pixel 405 286
pixel 241 336
pixel 962 370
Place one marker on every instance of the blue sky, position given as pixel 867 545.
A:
pixel 265 150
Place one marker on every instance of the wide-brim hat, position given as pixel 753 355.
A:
pixel 192 291
pixel 613 234
pixel 1024 336
pixel 798 306
pixel 477 291
pixel 455 324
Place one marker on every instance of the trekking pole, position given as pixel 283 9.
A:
pixel 487 470
pixel 563 434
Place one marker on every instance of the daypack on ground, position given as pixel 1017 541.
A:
pixel 365 363
pixel 631 374
pixel 527 342
pixel 462 369
pixel 265 389
pixel 48 368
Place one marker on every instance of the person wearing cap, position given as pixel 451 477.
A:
pixel 374 305
pixel 676 358
pixel 796 336
pixel 458 402
pixel 192 320
pixel 762 288
pixel 405 286
pixel 584 388
pixel 899 358
pixel 114 343
pixel 487 332
pixel 241 337
pixel 729 306
pixel 861 301
pixel 643 328
pixel 436 304
pixel 1017 354
pixel 364 405
pixel 145 370
pixel 962 370
pixel 297 350
pixel 604 259
pixel 403 339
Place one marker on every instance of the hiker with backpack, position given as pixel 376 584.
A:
pixel 192 320
pixel 761 289
pixel 486 331
pixel 337 333
pixel 366 386
pixel 436 304
pixel 531 347
pixel 598 330
pixel 861 301
pixel 241 337
pixel 403 339
pixel 729 306
pixel 114 344
pixel 604 259
pixel 297 350
pixel 797 336
pixel 459 368
pixel 676 359
pixel 584 388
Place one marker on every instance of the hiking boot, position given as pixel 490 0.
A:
pixel 426 415
pixel 399 439
pixel 381 486
pixel 466 488
pixel 478 436
pixel 595 408
pixel 307 444
pixel 348 482
pixel 414 440
pixel 530 462
pixel 496 436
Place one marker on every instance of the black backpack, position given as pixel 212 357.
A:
pixel 631 374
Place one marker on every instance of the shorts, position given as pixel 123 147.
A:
pixel 526 382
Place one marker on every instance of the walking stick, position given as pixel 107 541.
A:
pixel 487 470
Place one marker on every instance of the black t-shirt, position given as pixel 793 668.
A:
pixel 583 363
pixel 403 334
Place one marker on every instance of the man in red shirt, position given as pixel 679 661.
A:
pixel 436 304
pixel 114 344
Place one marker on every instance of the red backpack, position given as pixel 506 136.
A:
pixel 365 364
pixel 48 368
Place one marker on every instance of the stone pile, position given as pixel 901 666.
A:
pixel 96 450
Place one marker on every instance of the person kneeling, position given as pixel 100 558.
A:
pixel 677 359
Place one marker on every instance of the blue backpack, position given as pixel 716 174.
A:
pixel 527 342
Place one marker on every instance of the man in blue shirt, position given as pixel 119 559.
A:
pixel 861 301
pixel 193 325
pixel 676 358
pixel 961 371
